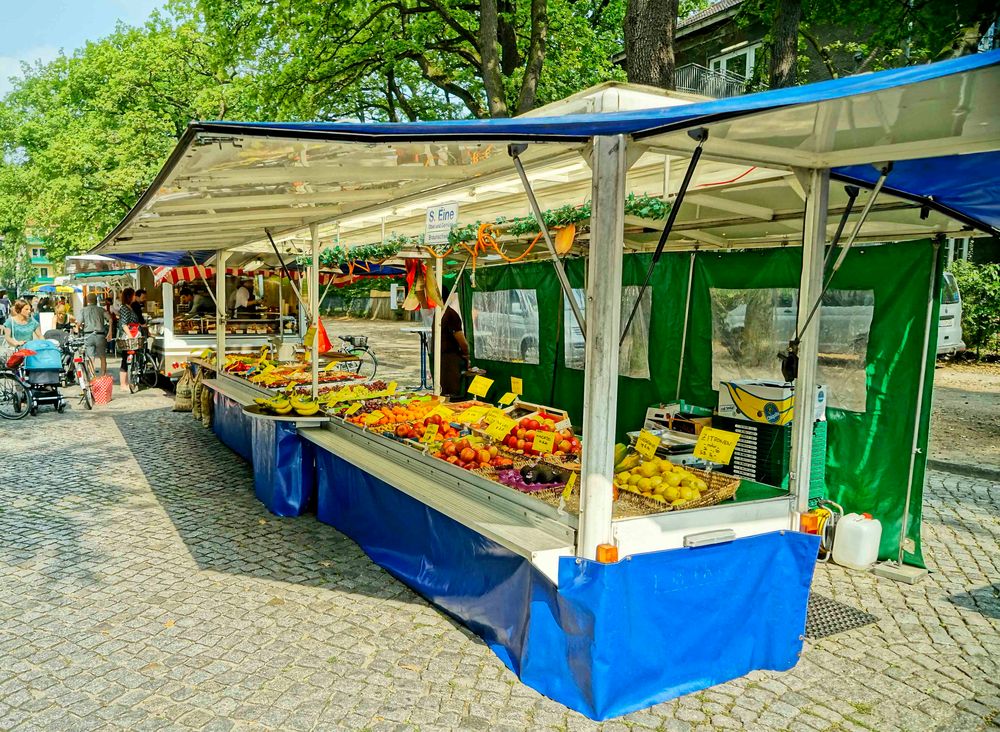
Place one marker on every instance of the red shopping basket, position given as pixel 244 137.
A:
pixel 101 389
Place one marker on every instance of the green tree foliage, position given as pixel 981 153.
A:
pixel 416 59
pixel 84 135
pixel 853 36
pixel 979 285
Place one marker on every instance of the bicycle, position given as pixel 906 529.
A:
pixel 83 370
pixel 366 365
pixel 140 365
pixel 16 400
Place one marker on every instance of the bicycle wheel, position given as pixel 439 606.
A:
pixel 366 367
pixel 148 373
pixel 133 373
pixel 15 399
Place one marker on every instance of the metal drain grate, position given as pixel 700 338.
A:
pixel 826 617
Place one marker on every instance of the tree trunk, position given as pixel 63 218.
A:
pixel 536 55
pixel 785 43
pixel 650 26
pixel 496 99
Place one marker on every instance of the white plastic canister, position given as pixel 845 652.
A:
pixel 855 544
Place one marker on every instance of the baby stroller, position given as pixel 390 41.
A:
pixel 63 338
pixel 43 373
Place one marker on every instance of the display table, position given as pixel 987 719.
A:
pixel 604 639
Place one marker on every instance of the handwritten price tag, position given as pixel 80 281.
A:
pixel 716 446
pixel 373 417
pixel 494 413
pixel 544 442
pixel 568 490
pixel 480 386
pixel 430 433
pixel 472 415
pixel 507 399
pixel 499 428
pixel 443 412
pixel 516 385
pixel 353 408
pixel 646 444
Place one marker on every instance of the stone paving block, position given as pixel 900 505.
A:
pixel 160 594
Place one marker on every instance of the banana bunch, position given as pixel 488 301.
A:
pixel 304 406
pixel 275 404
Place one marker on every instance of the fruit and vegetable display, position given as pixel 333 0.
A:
pixel 258 369
pixel 661 481
pixel 523 436
pixel 281 405
pixel 471 455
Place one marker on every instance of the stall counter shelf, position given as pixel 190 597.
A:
pixel 524 524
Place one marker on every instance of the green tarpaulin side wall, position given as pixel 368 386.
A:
pixel 867 455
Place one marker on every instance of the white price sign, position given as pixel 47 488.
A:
pixel 440 220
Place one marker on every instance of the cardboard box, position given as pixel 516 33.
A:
pixel 771 402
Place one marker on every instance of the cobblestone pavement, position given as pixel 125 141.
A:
pixel 143 587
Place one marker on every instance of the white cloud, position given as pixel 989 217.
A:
pixel 11 65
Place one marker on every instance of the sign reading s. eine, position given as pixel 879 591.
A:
pixel 439 222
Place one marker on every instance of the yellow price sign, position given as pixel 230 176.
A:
pixel 374 417
pixel 516 386
pixel 716 446
pixel 353 408
pixel 646 444
pixel 430 433
pixel 494 413
pixel 443 412
pixel 544 442
pixel 480 386
pixel 568 490
pixel 472 415
pixel 507 399
pixel 500 427
pixel 391 388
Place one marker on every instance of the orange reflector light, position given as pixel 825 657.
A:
pixel 809 523
pixel 607 553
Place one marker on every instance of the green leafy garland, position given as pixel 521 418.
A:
pixel 646 207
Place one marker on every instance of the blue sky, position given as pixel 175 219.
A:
pixel 37 29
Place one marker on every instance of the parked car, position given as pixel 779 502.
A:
pixel 950 318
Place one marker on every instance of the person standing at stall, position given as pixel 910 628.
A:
pixel 96 324
pixel 454 350
pixel 139 305
pixel 126 319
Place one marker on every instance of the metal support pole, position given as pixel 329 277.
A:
pixel 314 306
pixel 604 305
pixel 915 445
pixel 220 314
pixel 556 262
pixel 438 315
pixel 684 333
pixel 810 286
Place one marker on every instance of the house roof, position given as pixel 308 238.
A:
pixel 713 13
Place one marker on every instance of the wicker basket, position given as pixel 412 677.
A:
pixel 721 487
pixel 131 344
pixel 628 505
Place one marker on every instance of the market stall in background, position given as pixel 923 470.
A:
pixel 621 505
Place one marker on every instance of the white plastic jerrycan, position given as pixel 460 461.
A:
pixel 855 544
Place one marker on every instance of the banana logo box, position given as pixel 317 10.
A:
pixel 772 402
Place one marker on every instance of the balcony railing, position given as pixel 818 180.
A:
pixel 716 84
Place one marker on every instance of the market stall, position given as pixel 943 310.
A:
pixel 608 608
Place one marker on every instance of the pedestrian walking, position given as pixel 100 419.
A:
pixel 96 325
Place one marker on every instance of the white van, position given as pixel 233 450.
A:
pixel 950 321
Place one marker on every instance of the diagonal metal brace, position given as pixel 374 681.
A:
pixel 515 152
pixel 883 174
pixel 284 267
pixel 852 196
pixel 700 135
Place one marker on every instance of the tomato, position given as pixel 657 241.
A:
pixel 529 435
pixel 532 424
pixel 449 448
pixel 523 424
pixel 467 454
pixel 401 431
pixel 511 441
